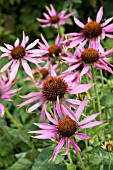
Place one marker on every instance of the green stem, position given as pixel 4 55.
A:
pixel 102 80
pixel 90 93
pixel 109 165
pixel 96 92
pixel 20 130
pixel 80 160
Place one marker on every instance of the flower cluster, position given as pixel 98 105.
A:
pixel 58 81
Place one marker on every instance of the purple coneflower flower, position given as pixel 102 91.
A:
pixel 54 19
pixel 53 50
pixel 94 54
pixel 54 90
pixel 92 29
pixel 66 129
pixel 20 54
pixel 5 93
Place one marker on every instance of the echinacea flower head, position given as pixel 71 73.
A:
pixel 108 146
pixel 20 53
pixel 94 54
pixel 54 50
pixel 5 93
pixel 54 19
pixel 92 29
pixel 55 90
pixel 65 129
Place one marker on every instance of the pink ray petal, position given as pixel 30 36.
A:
pixel 44 40
pixel 5 67
pixel 79 23
pixel 58 147
pixel 81 108
pixel 46 16
pixel 85 70
pixel 49 11
pixel 24 40
pixel 45 136
pixel 109 28
pixel 92 124
pixel 9 47
pixel 46 25
pixel 43 131
pixel 1 110
pixel 45 126
pixel 32 95
pixel 107 21
pixel 67 146
pixel 83 136
pixel 52 71
pixel 73 101
pixel 16 42
pixel 14 71
pixel 99 15
pixel 58 108
pixel 76 147
pixel 3 49
pixel 88 119
pixel 73 67
pixel 53 9
pixel 42 20
pixel 57 40
pixel 51 119
pixel 27 68
pixel 29 101
pixel 32 44
pixel 35 106
pixel 80 88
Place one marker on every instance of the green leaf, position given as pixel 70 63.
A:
pixel 71 166
pixel 107 100
pixel 21 164
pixel 42 163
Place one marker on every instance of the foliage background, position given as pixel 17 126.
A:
pixel 17 16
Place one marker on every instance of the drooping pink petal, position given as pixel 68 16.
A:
pixel 85 70
pixel 73 101
pixel 92 124
pixel 43 131
pixel 1 110
pixel 88 119
pixel 32 95
pixel 5 67
pixel 73 67
pixel 52 71
pixel 45 136
pixel 51 119
pixel 83 136
pixel 59 146
pixel 35 106
pixel 29 101
pixel 46 25
pixel 14 71
pixel 27 68
pixel 67 146
pixel 58 108
pixel 76 147
pixel 99 15
pixel 81 108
